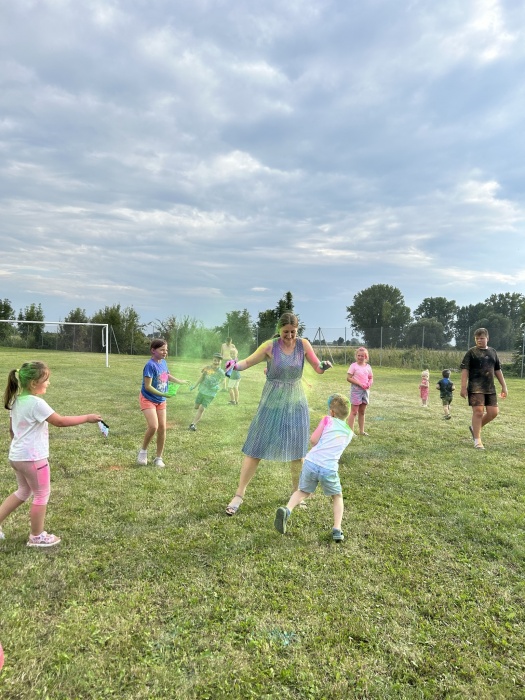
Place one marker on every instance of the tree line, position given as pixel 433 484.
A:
pixel 378 315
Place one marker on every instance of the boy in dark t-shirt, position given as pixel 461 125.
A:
pixel 478 369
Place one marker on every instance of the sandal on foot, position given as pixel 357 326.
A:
pixel 234 507
pixel 479 446
pixel 303 504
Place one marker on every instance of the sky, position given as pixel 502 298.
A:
pixel 195 158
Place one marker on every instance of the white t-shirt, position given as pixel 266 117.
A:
pixel 29 416
pixel 335 437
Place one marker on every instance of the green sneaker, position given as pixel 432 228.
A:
pixel 281 518
pixel 337 535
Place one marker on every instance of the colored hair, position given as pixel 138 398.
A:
pixel 361 349
pixel 29 372
pixel 157 343
pixel 340 405
pixel 287 319
pixel 479 332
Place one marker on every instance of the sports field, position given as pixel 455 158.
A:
pixel 154 593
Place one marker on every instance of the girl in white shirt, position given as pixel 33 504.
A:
pixel 29 449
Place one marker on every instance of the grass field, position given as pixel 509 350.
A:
pixel 155 593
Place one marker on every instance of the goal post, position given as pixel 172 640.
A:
pixel 75 337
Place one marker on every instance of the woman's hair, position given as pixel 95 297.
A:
pixel 361 349
pixel 340 405
pixel 29 372
pixel 287 319
pixel 157 343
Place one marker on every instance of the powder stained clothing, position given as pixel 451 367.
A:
pixel 211 382
pixel 280 428
pixel 29 416
pixel 158 371
pixel 446 387
pixel 335 437
pixel 481 365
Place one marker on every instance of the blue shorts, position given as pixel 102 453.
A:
pixel 311 475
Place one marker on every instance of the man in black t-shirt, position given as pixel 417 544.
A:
pixel 478 369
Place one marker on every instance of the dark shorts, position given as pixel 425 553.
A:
pixel 446 400
pixel 482 399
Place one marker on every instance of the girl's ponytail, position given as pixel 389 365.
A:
pixel 12 389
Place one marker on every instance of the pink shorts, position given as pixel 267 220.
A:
pixel 146 403
pixel 33 478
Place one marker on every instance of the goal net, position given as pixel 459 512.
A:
pixel 55 335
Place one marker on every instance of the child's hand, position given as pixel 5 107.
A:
pixel 93 418
pixel 324 365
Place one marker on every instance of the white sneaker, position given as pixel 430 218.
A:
pixel 42 540
pixel 142 458
pixel 158 462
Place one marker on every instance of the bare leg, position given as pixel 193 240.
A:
pixel 296 498
pixel 339 507
pixel 295 468
pixel 161 432
pixel 491 412
pixel 198 415
pixel 248 469
pixel 10 504
pixel 477 419
pixel 351 417
pixel 37 517
pixel 361 418
pixel 150 414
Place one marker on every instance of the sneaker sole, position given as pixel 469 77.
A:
pixel 43 544
pixel 281 518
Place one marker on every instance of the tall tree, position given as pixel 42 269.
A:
pixel 31 332
pixel 440 309
pixel 124 323
pixel 76 337
pixel 7 313
pixel 427 332
pixel 380 314
pixel 509 304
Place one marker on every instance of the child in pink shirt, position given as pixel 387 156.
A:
pixel 361 378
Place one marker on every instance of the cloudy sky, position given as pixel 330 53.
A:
pixel 193 158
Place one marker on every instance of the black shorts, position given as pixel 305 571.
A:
pixel 482 399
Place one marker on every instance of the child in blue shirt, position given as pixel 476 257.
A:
pixel 321 465
pixel 446 387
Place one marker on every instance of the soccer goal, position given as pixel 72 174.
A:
pixel 56 335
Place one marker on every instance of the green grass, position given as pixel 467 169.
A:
pixel 155 593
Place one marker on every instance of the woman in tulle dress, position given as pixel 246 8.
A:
pixel 281 427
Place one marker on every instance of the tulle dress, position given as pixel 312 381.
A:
pixel 280 428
